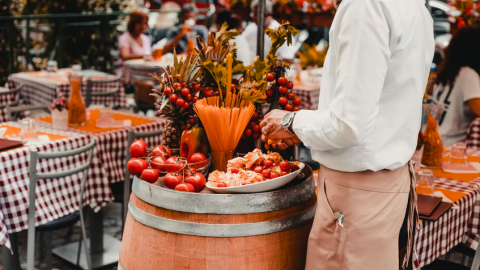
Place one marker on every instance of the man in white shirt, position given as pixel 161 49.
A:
pixel 365 133
pixel 250 32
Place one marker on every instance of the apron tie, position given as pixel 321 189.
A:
pixel 412 215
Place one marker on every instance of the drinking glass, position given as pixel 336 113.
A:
pixel 28 130
pixel 52 66
pixel 446 153
pixel 425 182
pixel 458 155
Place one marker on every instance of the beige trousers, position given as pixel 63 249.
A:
pixel 374 206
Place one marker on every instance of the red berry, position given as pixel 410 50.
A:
pixel 290 85
pixel 269 93
pixel 266 174
pixel 296 109
pixel 167 91
pixel 173 98
pixel 256 128
pixel 194 99
pixel 297 101
pixel 248 132
pixel 282 89
pixel 291 96
pixel 289 107
pixel 283 101
pixel 196 87
pixel 185 105
pixel 282 80
pixel 185 92
pixel 180 102
pixel 184 84
pixel 270 77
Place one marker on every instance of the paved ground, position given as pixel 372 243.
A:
pixel 112 226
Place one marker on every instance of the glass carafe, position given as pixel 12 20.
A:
pixel 433 151
pixel 77 115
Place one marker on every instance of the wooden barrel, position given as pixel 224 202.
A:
pixel 172 230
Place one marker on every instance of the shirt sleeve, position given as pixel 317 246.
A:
pixel 362 53
pixel 469 83
pixel 123 41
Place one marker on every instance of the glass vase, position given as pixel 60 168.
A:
pixel 433 145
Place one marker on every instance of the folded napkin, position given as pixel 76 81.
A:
pixel 472 167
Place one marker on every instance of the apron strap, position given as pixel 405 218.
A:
pixel 413 214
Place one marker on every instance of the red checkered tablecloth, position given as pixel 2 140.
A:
pixel 55 197
pixel 42 90
pixel 473 135
pixel 5 100
pixel 310 94
pixel 460 224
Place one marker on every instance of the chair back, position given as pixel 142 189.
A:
pixel 6 97
pixel 144 83
pixel 17 112
pixel 106 83
pixel 132 136
pixel 34 176
pixel 476 260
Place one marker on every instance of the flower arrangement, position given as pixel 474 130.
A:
pixel 311 56
pixel 464 13
pixel 59 104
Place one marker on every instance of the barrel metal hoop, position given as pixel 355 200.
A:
pixel 227 204
pixel 221 230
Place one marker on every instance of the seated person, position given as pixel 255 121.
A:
pixel 458 85
pixel 177 36
pixel 241 44
pixel 133 44
pixel 250 32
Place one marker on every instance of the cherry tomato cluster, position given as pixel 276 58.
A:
pixel 253 128
pixel 288 101
pixel 149 165
pixel 213 92
pixel 180 94
pixel 271 170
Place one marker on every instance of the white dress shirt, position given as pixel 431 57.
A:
pixel 373 82
pixel 243 50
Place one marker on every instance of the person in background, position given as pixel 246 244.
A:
pixel 133 44
pixel 177 36
pixel 250 32
pixel 458 85
pixel 241 44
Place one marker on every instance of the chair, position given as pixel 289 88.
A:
pixel 98 83
pixel 121 193
pixel 143 86
pixel 63 222
pixel 16 92
pixel 448 265
pixel 14 113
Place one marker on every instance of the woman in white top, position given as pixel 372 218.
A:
pixel 241 44
pixel 133 44
pixel 458 85
pixel 364 134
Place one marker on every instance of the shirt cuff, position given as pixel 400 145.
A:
pixel 310 128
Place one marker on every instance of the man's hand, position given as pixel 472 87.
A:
pixel 272 129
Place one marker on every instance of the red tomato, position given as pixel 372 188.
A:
pixel 197 180
pixel 136 166
pixel 258 169
pixel 170 78
pixel 177 86
pixel 149 175
pixel 192 121
pixel 254 90
pixel 262 163
pixel 174 164
pixel 256 135
pixel 189 97
pixel 297 101
pixel 255 116
pixel 185 105
pixel 270 77
pixel 282 89
pixel 291 96
pixel 180 102
pixel 208 93
pixel 167 91
pixel 234 170
pixel 171 180
pixel 185 187
pixel 269 93
pixel 196 87
pixel 284 166
pixel 138 149
pixel 199 160
pixel 162 150
pixel 289 107
pixel 173 98
pixel 222 184
pixel 268 164
pixel 252 124
pixel 248 132
pixel 283 101
pixel 290 85
pixel 158 163
pixel 185 92
pixel 266 174
pixel 256 128
pixel 296 108
pixel 284 173
pixel 234 86
pixel 194 99
pixel 282 80
pixel 274 175
pixel 295 168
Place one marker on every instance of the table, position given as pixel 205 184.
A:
pixel 457 225
pixel 41 88
pixel 162 63
pixel 308 89
pixel 473 135
pixel 5 100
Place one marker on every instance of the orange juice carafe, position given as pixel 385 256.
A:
pixel 433 145
pixel 77 115
pixel 191 43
